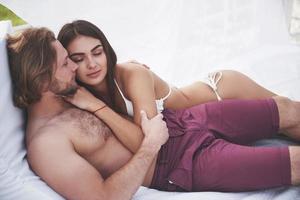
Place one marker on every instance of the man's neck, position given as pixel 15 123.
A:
pixel 48 107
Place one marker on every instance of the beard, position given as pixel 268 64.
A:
pixel 61 88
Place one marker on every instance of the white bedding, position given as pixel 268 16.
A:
pixel 181 41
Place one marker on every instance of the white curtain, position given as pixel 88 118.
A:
pixel 183 40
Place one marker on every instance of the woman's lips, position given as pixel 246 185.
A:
pixel 94 74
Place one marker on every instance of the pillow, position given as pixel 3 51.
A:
pixel 17 181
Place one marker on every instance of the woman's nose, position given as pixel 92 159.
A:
pixel 91 62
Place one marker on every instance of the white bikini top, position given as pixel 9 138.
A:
pixel 129 106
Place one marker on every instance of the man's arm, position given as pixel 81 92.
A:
pixel 56 161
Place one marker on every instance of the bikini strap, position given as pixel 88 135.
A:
pixel 169 93
pixel 214 79
pixel 120 89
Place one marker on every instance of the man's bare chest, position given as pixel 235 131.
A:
pixel 87 132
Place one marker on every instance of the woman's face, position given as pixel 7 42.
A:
pixel 89 54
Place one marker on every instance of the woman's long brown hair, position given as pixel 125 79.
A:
pixel 81 27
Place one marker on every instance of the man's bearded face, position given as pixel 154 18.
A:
pixel 62 88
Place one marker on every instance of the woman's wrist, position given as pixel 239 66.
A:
pixel 94 105
pixel 98 108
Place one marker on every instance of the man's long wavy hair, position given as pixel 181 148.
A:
pixel 81 27
pixel 31 57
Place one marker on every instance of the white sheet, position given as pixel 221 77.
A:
pixel 183 40
pixel 17 181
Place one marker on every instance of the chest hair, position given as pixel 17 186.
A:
pixel 87 123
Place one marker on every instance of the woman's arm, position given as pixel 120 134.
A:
pixel 139 85
pixel 126 131
pixel 129 134
pixel 140 89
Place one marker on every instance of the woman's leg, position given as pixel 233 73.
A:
pixel 235 85
pixel 232 85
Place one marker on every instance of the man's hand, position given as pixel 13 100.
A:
pixel 155 130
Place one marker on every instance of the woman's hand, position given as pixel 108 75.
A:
pixel 83 99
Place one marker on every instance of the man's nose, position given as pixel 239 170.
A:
pixel 74 66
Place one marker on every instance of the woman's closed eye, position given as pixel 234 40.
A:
pixel 76 59
pixel 97 53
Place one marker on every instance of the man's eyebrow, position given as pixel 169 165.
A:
pixel 78 54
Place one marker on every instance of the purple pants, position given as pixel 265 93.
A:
pixel 207 149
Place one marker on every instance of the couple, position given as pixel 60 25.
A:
pixel 108 147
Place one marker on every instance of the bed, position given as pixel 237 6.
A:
pixel 181 41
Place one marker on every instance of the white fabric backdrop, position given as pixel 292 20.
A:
pixel 17 181
pixel 183 40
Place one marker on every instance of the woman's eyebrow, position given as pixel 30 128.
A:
pixel 79 53
pixel 76 54
pixel 96 47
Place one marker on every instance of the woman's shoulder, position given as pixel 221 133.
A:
pixel 129 74
pixel 130 69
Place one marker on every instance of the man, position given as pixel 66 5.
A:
pixel 62 140
pixel 81 159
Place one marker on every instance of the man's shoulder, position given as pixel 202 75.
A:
pixel 47 145
pixel 58 128
pixel 47 135
pixel 73 126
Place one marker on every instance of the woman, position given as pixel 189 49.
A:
pixel 129 87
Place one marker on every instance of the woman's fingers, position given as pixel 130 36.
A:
pixel 68 99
